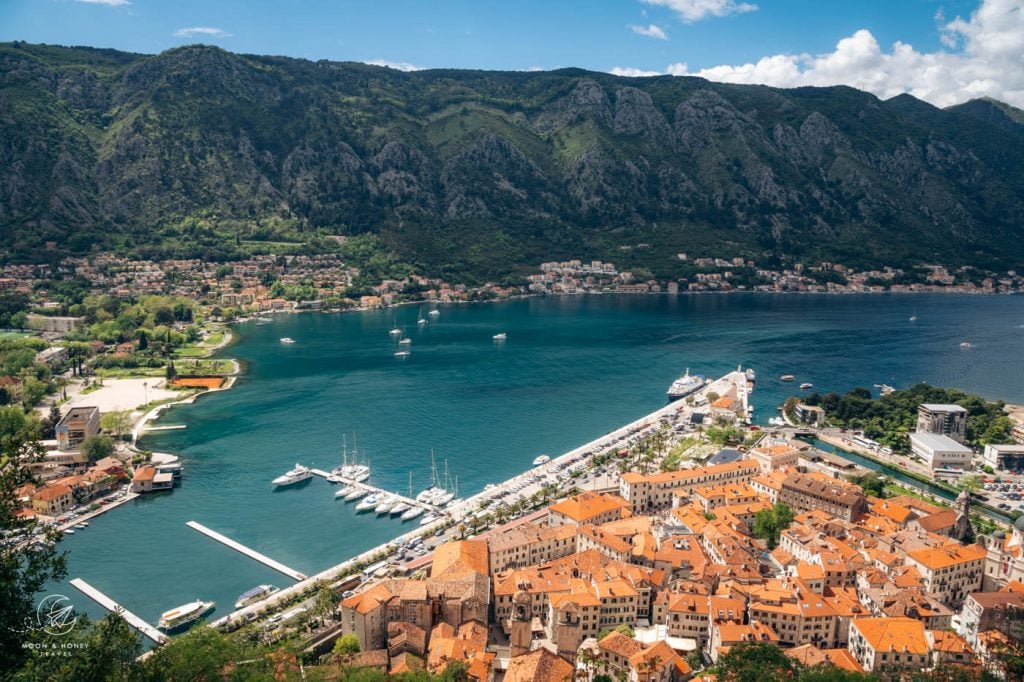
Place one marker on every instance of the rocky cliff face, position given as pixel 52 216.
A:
pixel 95 144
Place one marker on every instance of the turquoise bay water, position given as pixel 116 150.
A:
pixel 572 368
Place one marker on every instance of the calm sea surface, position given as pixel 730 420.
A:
pixel 572 369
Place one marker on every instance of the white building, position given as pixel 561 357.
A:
pixel 1008 457
pixel 940 451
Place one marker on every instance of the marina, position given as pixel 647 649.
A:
pixel 112 606
pixel 251 553
pixel 358 489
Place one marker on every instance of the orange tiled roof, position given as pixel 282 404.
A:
pixel 459 557
pixel 888 634
pixel 539 665
pixel 52 492
pixel 588 505
pixel 949 555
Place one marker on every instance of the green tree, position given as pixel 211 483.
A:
pixel 105 650
pixel 19 319
pixel 769 523
pixel 97 447
pixel 116 423
pixel 755 662
pixel 202 653
pixel 25 569
pixel 346 644
pixel 970 482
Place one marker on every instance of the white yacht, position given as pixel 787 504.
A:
pixel 422 321
pixel 402 354
pixel 296 475
pixel 400 508
pixel 684 385
pixel 412 513
pixel 434 313
pixel 429 518
pixel 385 503
pixel 287 339
pixel 367 504
pixel 356 494
pixel 500 336
pixel 343 492
pixel 541 459
pixel 405 341
pixel 185 614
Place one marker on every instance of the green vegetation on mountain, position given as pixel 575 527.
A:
pixel 201 152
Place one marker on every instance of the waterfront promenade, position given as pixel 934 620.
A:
pixel 454 515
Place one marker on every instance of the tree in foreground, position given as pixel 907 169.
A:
pixel 346 644
pixel 755 662
pixel 769 523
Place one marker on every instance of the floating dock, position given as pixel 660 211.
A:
pixel 169 427
pixel 111 605
pixel 251 553
pixel 379 491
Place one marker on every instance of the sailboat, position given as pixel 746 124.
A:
pixel 422 320
pixel 403 507
pixel 444 496
pixel 913 318
pixel 434 313
pixel 395 331
pixel 427 496
pixel 405 340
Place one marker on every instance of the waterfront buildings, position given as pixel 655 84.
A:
pixel 940 452
pixel 77 425
pixel 587 508
pixel 945 420
pixel 655 491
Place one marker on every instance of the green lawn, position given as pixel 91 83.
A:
pixel 16 335
pixel 191 352
pixel 131 373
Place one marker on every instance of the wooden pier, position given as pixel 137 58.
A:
pixel 111 605
pixel 251 553
pixel 379 491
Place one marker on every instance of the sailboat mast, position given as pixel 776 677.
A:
pixel 344 451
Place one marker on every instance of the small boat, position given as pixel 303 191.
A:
pixel 541 459
pixel 400 508
pixel 384 504
pixel 404 341
pixel 287 339
pixel 80 526
pixel 402 354
pixel 264 320
pixel 68 531
pixel 254 595
pixel 356 494
pixel 395 332
pixel 787 377
pixel 296 475
pixel 455 502
pixel 965 345
pixel 434 313
pixel 343 492
pixel 913 318
pixel 412 513
pixel 361 476
pixel 185 614
pixel 751 375
pixel 429 518
pixel 421 321
pixel 806 385
pixel 501 336
pixel 334 478
pixel 368 503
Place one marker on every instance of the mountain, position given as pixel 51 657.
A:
pixel 196 150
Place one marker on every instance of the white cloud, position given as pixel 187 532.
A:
pixel 201 31
pixel 652 31
pixel 398 66
pixel 988 63
pixel 695 10
pixel 108 3
pixel 630 72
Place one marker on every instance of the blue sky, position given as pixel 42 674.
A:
pixel 624 36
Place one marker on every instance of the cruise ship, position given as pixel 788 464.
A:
pixel 685 385
pixel 296 475
pixel 185 614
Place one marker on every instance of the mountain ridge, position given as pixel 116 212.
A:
pixel 478 171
